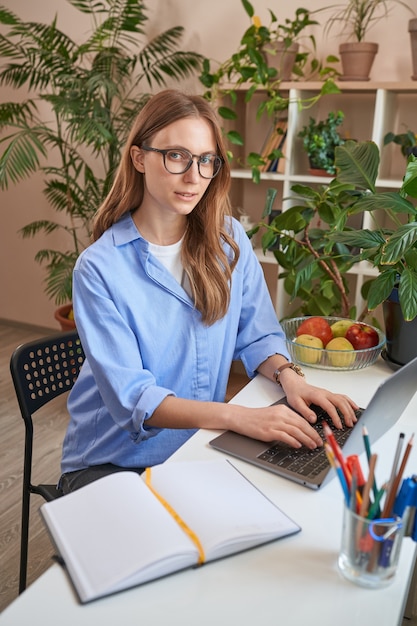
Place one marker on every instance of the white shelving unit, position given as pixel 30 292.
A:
pixel 371 110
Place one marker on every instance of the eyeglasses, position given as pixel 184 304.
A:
pixel 179 161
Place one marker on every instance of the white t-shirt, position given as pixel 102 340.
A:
pixel 170 257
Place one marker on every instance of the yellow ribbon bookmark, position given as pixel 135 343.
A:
pixel 177 518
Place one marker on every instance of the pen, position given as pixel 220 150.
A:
pixel 357 479
pixel 355 469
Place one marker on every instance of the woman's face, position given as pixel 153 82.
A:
pixel 174 194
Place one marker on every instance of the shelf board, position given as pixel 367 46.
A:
pixel 408 86
pixel 307 178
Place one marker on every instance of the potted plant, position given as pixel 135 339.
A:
pixel 250 67
pixel 391 247
pixel 318 246
pixel 312 267
pixel 407 140
pixel 320 139
pixel 92 92
pixel 355 18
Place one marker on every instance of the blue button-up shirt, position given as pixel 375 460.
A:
pixel 144 340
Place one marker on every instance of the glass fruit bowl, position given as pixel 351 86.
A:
pixel 326 359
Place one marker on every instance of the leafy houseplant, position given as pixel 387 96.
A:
pixel 355 18
pixel 317 246
pixel 407 141
pixel 320 139
pixel 392 247
pixel 312 266
pixel 92 92
pixel 249 67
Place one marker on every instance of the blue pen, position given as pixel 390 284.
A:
pixel 407 497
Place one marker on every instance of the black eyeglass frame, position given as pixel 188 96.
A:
pixel 164 152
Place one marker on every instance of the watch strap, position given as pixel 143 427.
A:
pixel 293 366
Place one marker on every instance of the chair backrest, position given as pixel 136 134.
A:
pixel 41 370
pixel 44 369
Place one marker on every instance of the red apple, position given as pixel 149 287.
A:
pixel 362 336
pixel 316 326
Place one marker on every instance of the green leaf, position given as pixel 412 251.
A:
pixel 407 292
pixel 409 186
pixel 386 201
pixel 357 164
pixel 248 8
pixel 401 240
pixel 361 238
pixel 235 137
pixel 227 113
pixel 380 288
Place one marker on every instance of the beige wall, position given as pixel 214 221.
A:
pixel 213 28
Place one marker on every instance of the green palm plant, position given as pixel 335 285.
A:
pixel 91 91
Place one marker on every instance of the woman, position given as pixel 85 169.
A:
pixel 169 293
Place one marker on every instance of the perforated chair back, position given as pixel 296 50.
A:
pixel 41 370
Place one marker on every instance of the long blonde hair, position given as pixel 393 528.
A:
pixel 208 263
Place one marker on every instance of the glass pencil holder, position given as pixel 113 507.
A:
pixel 370 549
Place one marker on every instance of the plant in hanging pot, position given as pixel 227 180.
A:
pixel 391 247
pixel 355 18
pixel 82 100
pixel 320 139
pixel 251 68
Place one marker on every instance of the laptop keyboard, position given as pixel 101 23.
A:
pixel 303 461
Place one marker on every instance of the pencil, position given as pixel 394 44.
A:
pixel 365 436
pixel 336 466
pixel 337 452
pixel 368 485
pixel 393 488
pixel 374 510
pixel 396 458
pixel 367 444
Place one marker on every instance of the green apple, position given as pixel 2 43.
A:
pixel 303 351
pixel 340 327
pixel 341 352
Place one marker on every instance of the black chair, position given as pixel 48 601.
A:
pixel 41 370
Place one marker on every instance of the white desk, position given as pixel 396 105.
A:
pixel 293 581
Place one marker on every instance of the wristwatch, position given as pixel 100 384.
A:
pixel 277 374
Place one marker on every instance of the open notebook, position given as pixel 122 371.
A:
pixel 126 529
pixel 311 467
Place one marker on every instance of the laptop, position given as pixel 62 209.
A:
pixel 310 467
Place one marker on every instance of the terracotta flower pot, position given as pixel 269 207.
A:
pixel 61 315
pixel 412 29
pixel 357 59
pixel 284 59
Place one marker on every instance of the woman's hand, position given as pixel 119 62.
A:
pixel 293 427
pixel 300 395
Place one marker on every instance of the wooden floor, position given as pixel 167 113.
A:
pixel 49 432
pixel 47 460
